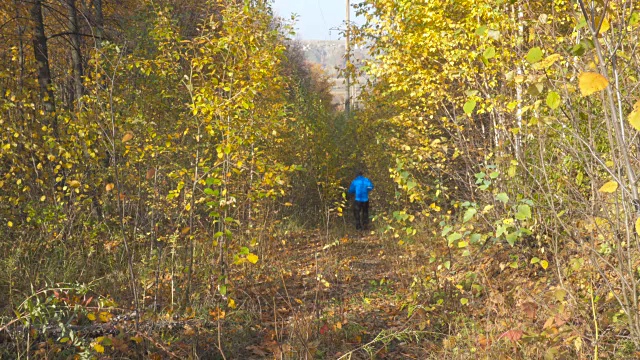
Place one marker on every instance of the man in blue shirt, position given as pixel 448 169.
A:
pixel 360 186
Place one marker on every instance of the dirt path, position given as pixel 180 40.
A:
pixel 323 300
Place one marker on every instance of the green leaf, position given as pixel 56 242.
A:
pixel 464 301
pixel 453 237
pixel 535 260
pixel 489 53
pixel 502 197
pixel 511 238
pixel 468 215
pixel 469 106
pixel 481 30
pixel 553 100
pixel 634 19
pixel 524 212
pixel 534 55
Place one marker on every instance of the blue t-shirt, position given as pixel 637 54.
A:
pixel 361 187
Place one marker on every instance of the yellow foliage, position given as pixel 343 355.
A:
pixel 609 187
pixel 634 116
pixel 590 83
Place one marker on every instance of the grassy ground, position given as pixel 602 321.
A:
pixel 347 295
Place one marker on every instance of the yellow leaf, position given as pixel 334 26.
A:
pixel 74 184
pixel 9 224
pixel 98 348
pixel 91 316
pixel 232 303
pixel 547 62
pixel 252 258
pixel 43 198
pixel 105 316
pixel 137 339
pixel 609 187
pixel 634 116
pixel 544 264
pixel 128 136
pixel 109 187
pixel 605 25
pixel 638 226
pixel 590 82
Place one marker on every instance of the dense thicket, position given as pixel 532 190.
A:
pixel 155 154
pixel 150 147
pixel 514 126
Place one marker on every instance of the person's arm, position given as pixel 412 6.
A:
pixel 369 185
pixel 352 188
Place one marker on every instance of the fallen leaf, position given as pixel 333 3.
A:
pixel 188 330
pixel 513 335
pixel 530 309
pixel 104 316
pixel 128 136
pixel 257 351
pixel 136 339
pixel 98 348
pixel 544 264
pixel 252 258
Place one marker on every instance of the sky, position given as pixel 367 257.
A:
pixel 316 17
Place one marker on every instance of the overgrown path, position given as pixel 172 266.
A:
pixel 324 299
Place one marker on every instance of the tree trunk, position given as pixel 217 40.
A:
pixel 41 55
pixel 20 33
pixel 76 54
pixel 99 22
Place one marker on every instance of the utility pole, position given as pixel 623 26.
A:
pixel 347 101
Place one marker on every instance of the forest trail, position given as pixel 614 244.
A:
pixel 329 299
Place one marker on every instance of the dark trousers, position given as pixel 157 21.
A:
pixel 361 214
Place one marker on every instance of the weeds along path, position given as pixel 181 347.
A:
pixel 320 299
